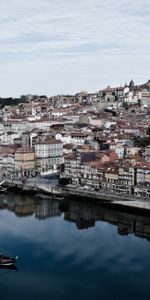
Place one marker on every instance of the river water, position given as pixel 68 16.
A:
pixel 70 250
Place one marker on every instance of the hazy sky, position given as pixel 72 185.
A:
pixel 64 46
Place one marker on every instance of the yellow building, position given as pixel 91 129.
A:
pixel 25 162
pixel 111 176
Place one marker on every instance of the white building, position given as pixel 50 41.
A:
pixel 49 153
pixel 64 138
pixel 120 151
pixel 16 127
pixel 8 138
pixel 132 98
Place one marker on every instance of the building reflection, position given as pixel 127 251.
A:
pixel 24 206
pixel 79 213
pixel 85 215
pixel 47 208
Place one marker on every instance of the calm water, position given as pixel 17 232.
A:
pixel 73 251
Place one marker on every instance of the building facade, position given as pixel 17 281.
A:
pixel 48 153
pixel 24 162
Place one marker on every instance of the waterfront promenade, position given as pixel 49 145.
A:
pixel 31 186
pixel 124 201
pixel 121 201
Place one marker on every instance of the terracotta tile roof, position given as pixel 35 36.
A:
pixel 49 141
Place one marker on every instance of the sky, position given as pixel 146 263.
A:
pixel 65 46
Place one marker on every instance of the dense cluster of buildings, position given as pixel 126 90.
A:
pixel 99 140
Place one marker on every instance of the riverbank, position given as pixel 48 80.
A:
pixel 120 201
pixel 30 187
pixel 117 201
pixel 103 195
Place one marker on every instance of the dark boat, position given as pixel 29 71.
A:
pixel 6 259
pixel 3 190
pixel 10 267
pixel 50 174
pixel 49 197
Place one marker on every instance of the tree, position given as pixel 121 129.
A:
pixel 141 142
pixel 139 102
pixel 125 105
pixel 148 131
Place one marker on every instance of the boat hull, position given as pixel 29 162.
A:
pixel 8 261
pixel 7 264
pixel 50 176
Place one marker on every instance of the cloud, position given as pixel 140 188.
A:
pixel 55 237
pixel 81 34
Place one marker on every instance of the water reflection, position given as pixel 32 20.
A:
pixel 12 267
pixel 24 206
pixel 84 215
pixel 59 261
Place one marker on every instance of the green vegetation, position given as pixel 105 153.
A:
pixel 141 142
pixel 148 131
pixel 11 101
pixel 125 105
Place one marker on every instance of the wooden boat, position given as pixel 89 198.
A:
pixel 8 267
pixel 3 190
pixel 49 197
pixel 6 259
pixel 57 197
